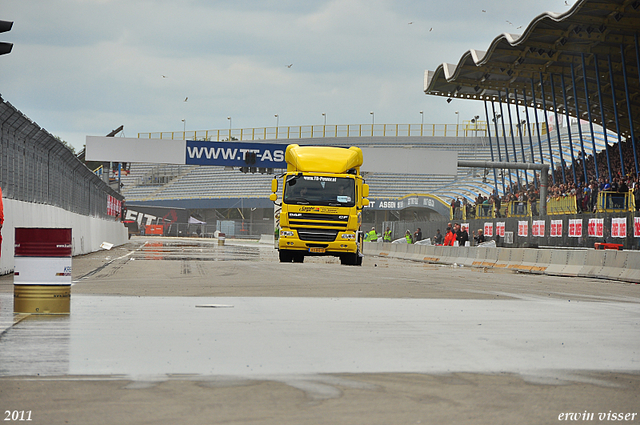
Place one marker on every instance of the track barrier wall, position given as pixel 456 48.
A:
pixel 601 264
pixel 87 232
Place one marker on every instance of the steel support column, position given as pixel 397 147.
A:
pixel 566 112
pixel 519 126
pixel 575 98
pixel 535 111
pixel 504 135
pixel 593 136
pixel 555 114
pixel 615 113
pixel 602 116
pixel 546 122
pixel 495 174
pixel 513 139
pixel 528 122
pixel 495 123
pixel 626 91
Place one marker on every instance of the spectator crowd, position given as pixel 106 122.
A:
pixel 586 193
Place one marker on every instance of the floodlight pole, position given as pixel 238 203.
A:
pixel 544 179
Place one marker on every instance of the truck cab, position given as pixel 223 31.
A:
pixel 322 199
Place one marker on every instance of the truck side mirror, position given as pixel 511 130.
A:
pixel 365 202
pixel 273 197
pixel 365 190
pixel 274 186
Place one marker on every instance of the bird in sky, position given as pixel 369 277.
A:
pixel 290 65
pixel 430 29
pixel 509 23
pixel 484 11
pixel 410 23
pixel 185 99
pixel 164 76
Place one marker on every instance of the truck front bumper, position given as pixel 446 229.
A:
pixel 345 242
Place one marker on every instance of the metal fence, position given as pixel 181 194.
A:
pixel 36 167
pixel 466 129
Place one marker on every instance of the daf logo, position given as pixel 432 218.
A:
pixel 295 215
pixel 343 217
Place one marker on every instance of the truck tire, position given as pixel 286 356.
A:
pixel 351 259
pixel 298 258
pixel 285 256
pixel 348 259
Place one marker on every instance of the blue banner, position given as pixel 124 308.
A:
pixel 236 154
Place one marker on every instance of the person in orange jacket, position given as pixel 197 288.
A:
pixel 449 238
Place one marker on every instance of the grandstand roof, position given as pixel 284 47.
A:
pixel 546 50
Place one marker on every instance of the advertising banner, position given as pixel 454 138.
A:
pixel 618 227
pixel 488 230
pixel 556 229
pixel 596 227
pixel 636 227
pixel 235 154
pixel 523 228
pixel 500 229
pixel 538 228
pixel 575 227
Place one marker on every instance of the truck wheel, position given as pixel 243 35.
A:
pixel 285 256
pixel 298 258
pixel 349 259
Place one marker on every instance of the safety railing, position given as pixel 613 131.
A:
pixel 562 205
pixel 485 211
pixel 518 209
pixel 466 129
pixel 609 201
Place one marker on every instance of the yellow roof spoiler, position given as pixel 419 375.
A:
pixel 322 159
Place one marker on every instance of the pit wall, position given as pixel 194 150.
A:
pixel 87 232
pixel 603 264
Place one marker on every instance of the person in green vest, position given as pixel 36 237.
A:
pixel 372 236
pixel 408 237
pixel 387 235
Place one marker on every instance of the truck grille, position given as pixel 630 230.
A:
pixel 317 235
pixel 339 222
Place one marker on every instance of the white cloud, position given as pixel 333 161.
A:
pixel 83 67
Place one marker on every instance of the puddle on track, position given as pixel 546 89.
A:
pixel 202 251
pixel 159 336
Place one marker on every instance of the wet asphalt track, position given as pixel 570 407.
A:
pixel 158 309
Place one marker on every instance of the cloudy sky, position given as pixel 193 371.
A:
pixel 84 67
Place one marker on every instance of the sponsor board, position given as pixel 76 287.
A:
pixel 235 154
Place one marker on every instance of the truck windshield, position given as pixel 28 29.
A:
pixel 320 190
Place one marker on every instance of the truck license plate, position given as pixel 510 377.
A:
pixel 318 250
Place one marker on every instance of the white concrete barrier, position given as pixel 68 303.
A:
pixel 267 239
pixel 603 264
pixel 88 233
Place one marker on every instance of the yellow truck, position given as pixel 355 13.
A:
pixel 322 201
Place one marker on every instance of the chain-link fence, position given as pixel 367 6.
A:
pixel 36 167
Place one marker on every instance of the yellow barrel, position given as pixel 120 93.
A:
pixel 42 299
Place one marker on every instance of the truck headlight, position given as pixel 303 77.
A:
pixel 286 233
pixel 350 236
